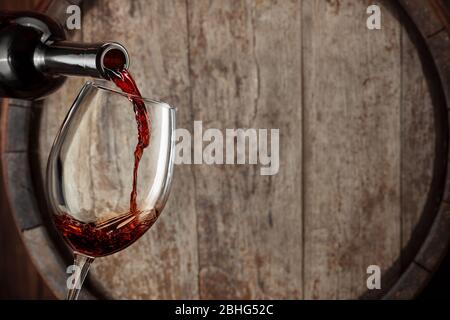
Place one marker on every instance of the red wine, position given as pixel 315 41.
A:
pixel 99 239
pixel 125 81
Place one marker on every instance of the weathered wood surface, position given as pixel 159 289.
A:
pixel 418 129
pixel 356 135
pixel 19 277
pixel 352 174
pixel 244 75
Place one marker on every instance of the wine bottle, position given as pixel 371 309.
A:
pixel 35 58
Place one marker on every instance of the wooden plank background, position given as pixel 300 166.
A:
pixel 356 146
pixel 18 276
pixel 352 174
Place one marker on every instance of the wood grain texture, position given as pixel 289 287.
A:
pixel 48 261
pixel 417 147
pixel 246 76
pixel 356 146
pixel 439 45
pixel 18 5
pixel 431 253
pixel 18 276
pixel 428 25
pixel 412 277
pixel 18 180
pixel 351 147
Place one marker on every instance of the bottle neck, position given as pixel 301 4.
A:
pixel 78 59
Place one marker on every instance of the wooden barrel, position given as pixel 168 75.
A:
pixel 363 150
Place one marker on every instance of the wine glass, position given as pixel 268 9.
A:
pixel 90 174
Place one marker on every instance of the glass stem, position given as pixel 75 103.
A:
pixel 79 271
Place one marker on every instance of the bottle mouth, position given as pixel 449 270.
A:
pixel 113 56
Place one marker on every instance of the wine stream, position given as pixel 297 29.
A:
pixel 124 80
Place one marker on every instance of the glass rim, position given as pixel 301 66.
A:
pixel 126 95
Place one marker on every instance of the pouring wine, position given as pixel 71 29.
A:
pixel 92 223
